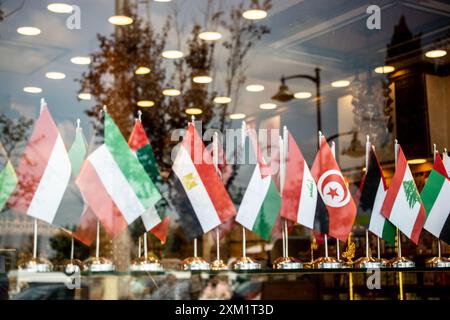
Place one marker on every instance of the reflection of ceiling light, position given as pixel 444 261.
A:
pixel 254 14
pixel 55 75
pixel 435 54
pixel 417 161
pixel 194 111
pixel 222 100
pixel 84 96
pixel 32 90
pixel 162 0
pixel 145 103
pixel 60 7
pixel 302 95
pixel 340 84
pixel 254 88
pixel 172 54
pixel 29 31
pixel 120 20
pixel 171 92
pixel 267 106
pixel 237 116
pixel 80 60
pixel 142 70
pixel 384 69
pixel 210 36
pixel 202 79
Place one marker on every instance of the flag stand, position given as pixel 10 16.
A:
pixel 97 263
pixel 244 262
pixel 36 264
pixel 145 263
pixel 195 263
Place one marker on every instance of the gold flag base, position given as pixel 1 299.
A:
pixel 327 263
pixel 150 264
pixel 218 265
pixel 73 266
pixel 100 264
pixel 36 265
pixel 438 262
pixel 369 263
pixel 401 262
pixel 246 263
pixel 195 264
pixel 287 263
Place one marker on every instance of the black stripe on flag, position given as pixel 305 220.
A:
pixel 445 232
pixel 321 220
pixel 70 209
pixel 3 158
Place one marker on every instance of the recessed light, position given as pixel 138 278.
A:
pixel 433 54
pixel 268 106
pixel 162 0
pixel 417 161
pixel 55 75
pixel 210 35
pixel 120 20
pixel 254 14
pixel 29 31
pixel 84 96
pixel 59 7
pixel 254 88
pixel 142 70
pixel 80 60
pixel 171 92
pixel 194 111
pixel 237 116
pixel 222 100
pixel 145 103
pixel 32 89
pixel 302 95
pixel 384 69
pixel 202 79
pixel 340 84
pixel 172 54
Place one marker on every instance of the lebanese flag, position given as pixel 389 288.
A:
pixel 334 193
pixel 402 205
pixel 198 192
pixel 43 172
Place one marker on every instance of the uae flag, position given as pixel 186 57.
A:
pixel 373 191
pixel 43 172
pixel 261 203
pixel 299 196
pixel 198 193
pixel 334 195
pixel 140 144
pixel 115 185
pixel 402 205
pixel 8 178
pixel 447 163
pixel 436 201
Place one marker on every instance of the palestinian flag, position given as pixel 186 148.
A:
pixel 260 205
pixel 402 205
pixel 8 178
pixel 43 172
pixel 115 185
pixel 373 191
pixel 140 144
pixel 436 200
pixel 198 193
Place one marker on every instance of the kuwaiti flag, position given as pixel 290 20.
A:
pixel 43 172
pixel 198 193
pixel 115 185
pixel 140 144
pixel 260 205
pixel 299 196
pixel 8 178
pixel 373 191
pixel 436 200
pixel 334 194
pixel 402 205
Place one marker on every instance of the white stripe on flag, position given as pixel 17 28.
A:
pixel 115 183
pixel 308 200
pixel 53 184
pixel 377 220
pixel 440 211
pixel 150 218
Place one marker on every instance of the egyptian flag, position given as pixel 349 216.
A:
pixel 436 201
pixel 8 178
pixel 198 193
pixel 140 144
pixel 402 205
pixel 43 172
pixel 334 194
pixel 372 193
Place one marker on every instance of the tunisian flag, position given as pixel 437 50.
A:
pixel 334 192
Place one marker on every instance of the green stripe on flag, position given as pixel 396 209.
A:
pixel 389 231
pixel 147 159
pixel 431 190
pixel 268 213
pixel 77 152
pixel 8 182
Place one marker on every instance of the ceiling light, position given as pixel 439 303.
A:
pixel 162 0
pixel 384 69
pixel 80 60
pixel 172 54
pixel 145 103
pixel 254 14
pixel 267 106
pixel 417 161
pixel 171 92
pixel 237 116
pixel 302 95
pixel 340 84
pixel 29 31
pixel 55 75
pixel 202 79
pixel 222 100
pixel 84 96
pixel 435 54
pixel 120 20
pixel 194 111
pixel 210 36
pixel 254 88
pixel 32 89
pixel 59 7
pixel 142 70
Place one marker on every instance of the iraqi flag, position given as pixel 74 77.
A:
pixel 8 177
pixel 334 195
pixel 402 205
pixel 43 172
pixel 436 201
pixel 199 195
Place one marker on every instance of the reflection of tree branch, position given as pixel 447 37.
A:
pixel 3 16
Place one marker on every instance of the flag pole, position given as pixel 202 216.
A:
pixel 333 151
pixel 282 177
pixel 139 247
pixel 35 238
pixel 97 241
pixel 145 246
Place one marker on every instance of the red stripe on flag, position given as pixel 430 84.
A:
pixel 138 137
pixel 418 225
pixel 86 231
pixel 160 230
pixel 439 165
